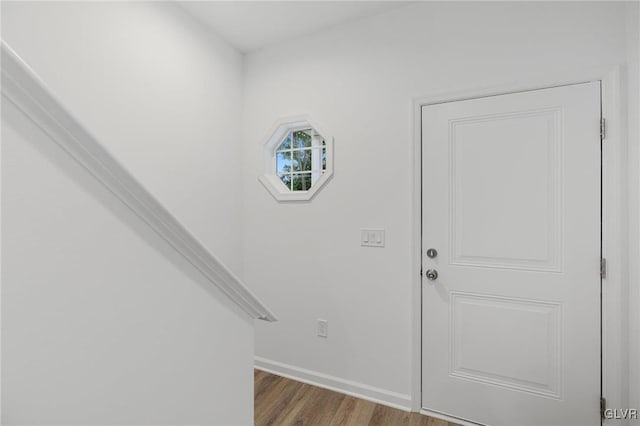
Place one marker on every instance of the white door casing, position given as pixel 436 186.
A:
pixel 511 202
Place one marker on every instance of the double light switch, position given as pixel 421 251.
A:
pixel 372 237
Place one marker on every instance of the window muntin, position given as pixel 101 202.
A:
pixel 301 159
pixel 298 159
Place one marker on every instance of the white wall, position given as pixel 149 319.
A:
pixel 633 71
pixel 358 82
pixel 158 90
pixel 101 322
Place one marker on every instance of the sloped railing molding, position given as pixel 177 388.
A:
pixel 22 86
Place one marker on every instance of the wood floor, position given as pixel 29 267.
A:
pixel 281 401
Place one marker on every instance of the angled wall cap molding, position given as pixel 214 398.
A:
pixel 22 86
pixel 272 177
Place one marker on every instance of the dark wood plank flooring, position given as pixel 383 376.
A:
pixel 281 401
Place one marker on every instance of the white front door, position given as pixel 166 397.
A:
pixel 511 203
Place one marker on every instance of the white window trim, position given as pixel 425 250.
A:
pixel 274 138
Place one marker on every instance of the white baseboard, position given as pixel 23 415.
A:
pixel 348 387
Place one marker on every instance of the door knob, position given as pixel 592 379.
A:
pixel 431 274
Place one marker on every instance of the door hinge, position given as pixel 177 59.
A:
pixel 603 129
pixel 603 406
pixel 603 267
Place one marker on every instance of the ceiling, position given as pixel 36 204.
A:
pixel 251 25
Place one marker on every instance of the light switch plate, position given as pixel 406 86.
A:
pixel 372 237
pixel 323 328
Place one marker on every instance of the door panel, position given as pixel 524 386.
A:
pixel 511 202
pixel 526 331
pixel 498 222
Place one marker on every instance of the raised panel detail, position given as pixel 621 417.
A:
pixel 512 343
pixel 507 214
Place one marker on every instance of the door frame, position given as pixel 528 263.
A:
pixel 614 286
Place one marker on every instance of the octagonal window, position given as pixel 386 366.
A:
pixel 298 160
pixel 301 159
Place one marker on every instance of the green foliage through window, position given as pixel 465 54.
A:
pixel 301 159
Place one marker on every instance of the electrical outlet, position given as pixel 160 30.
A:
pixel 323 328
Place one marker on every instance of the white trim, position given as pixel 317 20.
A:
pixel 614 243
pixel 447 418
pixel 273 139
pixel 615 365
pixel 22 86
pixel 336 384
pixel 416 297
